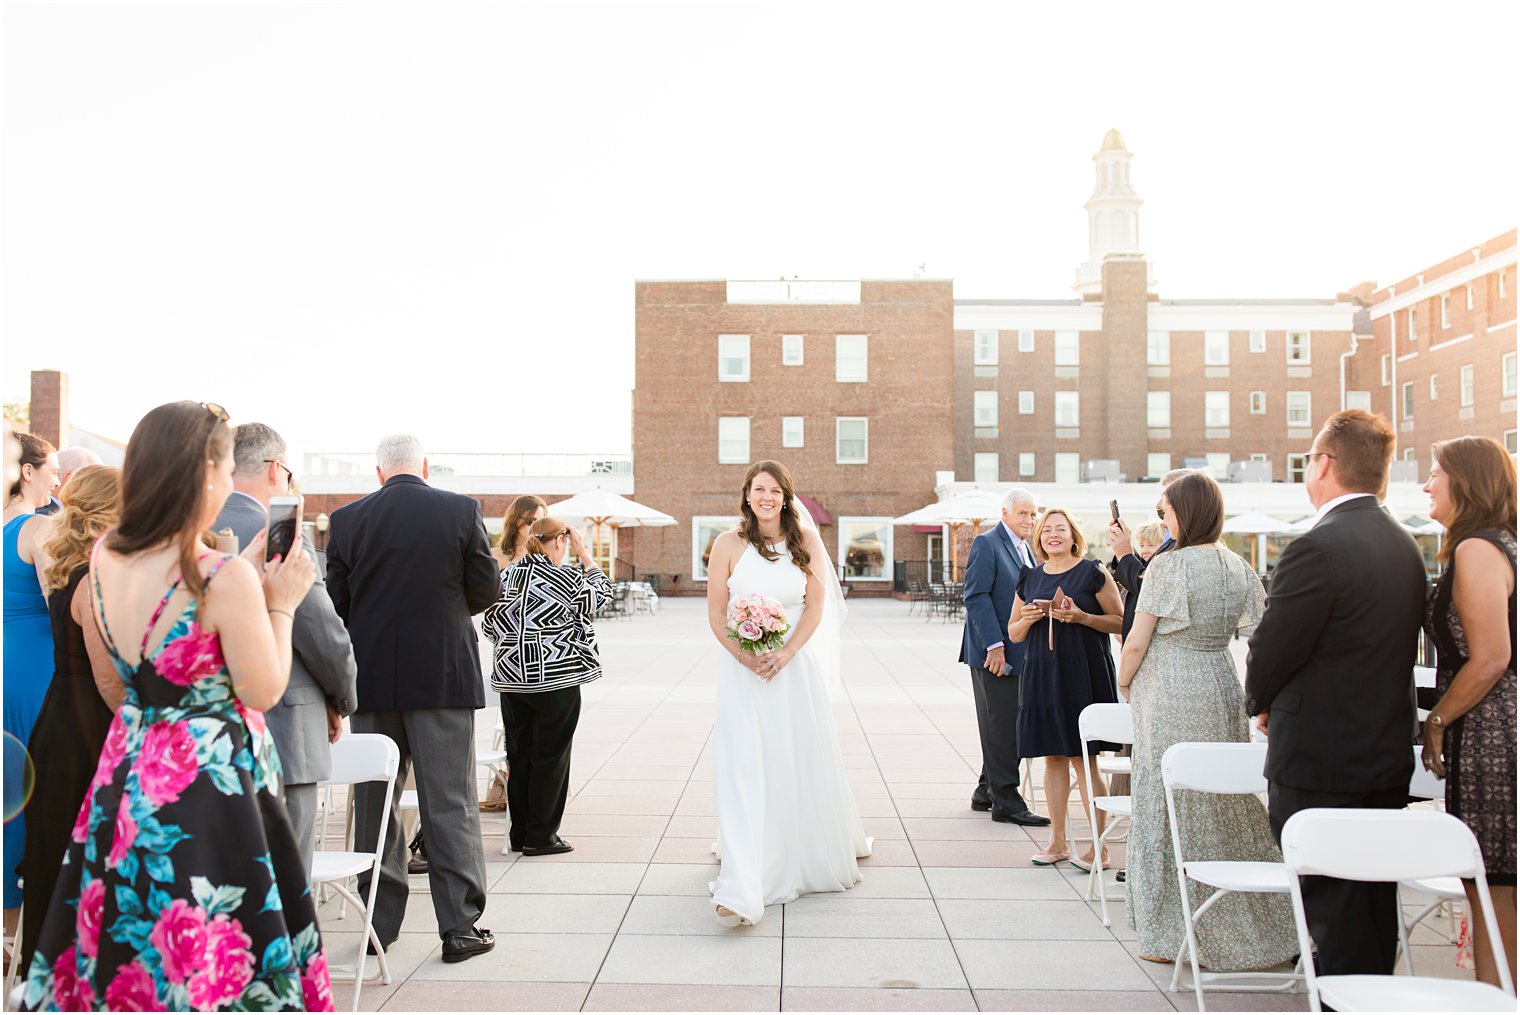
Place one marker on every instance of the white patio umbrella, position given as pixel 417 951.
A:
pixel 1430 528
pixel 1260 525
pixel 974 508
pixel 1303 525
pixel 602 507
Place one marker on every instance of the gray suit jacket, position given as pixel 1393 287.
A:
pixel 322 666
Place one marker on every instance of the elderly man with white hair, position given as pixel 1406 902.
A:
pixel 70 461
pixel 407 567
pixel 997 560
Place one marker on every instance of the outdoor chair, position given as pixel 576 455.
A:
pixel 1424 785
pixel 1387 845
pixel 1223 769
pixel 495 763
pixel 1109 722
pixel 360 758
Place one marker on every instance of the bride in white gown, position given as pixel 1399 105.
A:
pixel 787 822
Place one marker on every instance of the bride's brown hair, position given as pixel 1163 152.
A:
pixel 791 528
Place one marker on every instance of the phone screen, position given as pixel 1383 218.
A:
pixel 284 522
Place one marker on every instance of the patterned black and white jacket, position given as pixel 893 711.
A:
pixel 541 626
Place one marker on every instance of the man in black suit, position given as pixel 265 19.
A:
pixel 997 559
pixel 407 567
pixel 1128 567
pixel 1331 675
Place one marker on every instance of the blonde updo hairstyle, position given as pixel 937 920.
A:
pixel 543 533
pixel 91 506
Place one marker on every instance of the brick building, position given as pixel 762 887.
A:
pixel 870 391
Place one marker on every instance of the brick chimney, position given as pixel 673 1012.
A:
pixel 50 406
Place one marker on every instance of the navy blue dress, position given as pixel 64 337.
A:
pixel 1057 685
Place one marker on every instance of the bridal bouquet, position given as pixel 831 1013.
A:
pixel 757 623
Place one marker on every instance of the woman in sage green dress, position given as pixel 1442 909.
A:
pixel 1183 688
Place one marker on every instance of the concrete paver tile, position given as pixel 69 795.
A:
pixel 874 999
pixel 1073 1000
pixel 602 849
pixel 690 914
pixel 844 914
pixel 674 958
pixel 680 997
pixel 485 995
pixel 1051 965
pixel 881 962
pixel 566 958
pixel 572 878
pixel 678 879
pixel 1005 919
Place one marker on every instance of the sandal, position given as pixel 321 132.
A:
pixel 1050 859
pixel 1152 958
pixel 728 918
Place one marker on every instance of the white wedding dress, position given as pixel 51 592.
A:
pixel 787 821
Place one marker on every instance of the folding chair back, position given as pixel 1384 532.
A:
pixel 364 757
pixel 1215 768
pixel 1109 722
pixel 1426 785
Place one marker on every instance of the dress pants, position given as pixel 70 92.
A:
pixel 1354 924
pixel 540 727
pixel 997 718
pixel 301 804
pixel 441 743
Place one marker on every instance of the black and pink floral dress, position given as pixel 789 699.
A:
pixel 182 889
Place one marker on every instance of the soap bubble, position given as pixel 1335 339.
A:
pixel 20 777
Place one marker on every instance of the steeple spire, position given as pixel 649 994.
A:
pixel 1113 213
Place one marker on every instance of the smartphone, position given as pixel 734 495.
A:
pixel 1113 509
pixel 1043 604
pixel 284 523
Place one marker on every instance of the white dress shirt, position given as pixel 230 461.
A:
pixel 1331 505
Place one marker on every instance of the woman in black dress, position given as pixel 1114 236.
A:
pixel 85 693
pixel 1068 665
pixel 1470 735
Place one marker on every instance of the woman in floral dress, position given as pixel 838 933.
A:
pixel 182 888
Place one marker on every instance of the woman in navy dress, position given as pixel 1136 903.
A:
pixel 1068 665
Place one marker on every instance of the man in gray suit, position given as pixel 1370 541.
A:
pixel 322 687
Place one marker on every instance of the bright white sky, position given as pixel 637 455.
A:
pixel 349 220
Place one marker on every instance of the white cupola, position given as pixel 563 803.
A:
pixel 1113 213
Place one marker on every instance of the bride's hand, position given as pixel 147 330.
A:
pixel 773 662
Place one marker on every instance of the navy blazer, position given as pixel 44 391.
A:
pixel 992 576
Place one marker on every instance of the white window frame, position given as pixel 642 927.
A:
pixel 793 429
pixel 1157 464
pixel 1216 410
pixel 734 459
pixel 1219 464
pixel 1468 287
pixel 732 340
pixel 1445 310
pixel 1502 293
pixel 1069 462
pixel 1433 395
pixel 1068 348
pixel 1414 330
pixel 1026 340
pixel 698 523
pixel 984 408
pixel 1507 373
pixel 1071 400
pixel 1026 464
pixel 1158 409
pixel 865 439
pixel 1307 417
pixel 1258 340
pixel 1297 462
pixel 1387 364
pixel 984 466
pixel 792 350
pixel 1216 348
pixel 1158 348
pixel 1465 385
pixel 1509 441
pixel 1026 403
pixel 1358 400
pixel 1406 400
pixel 1303 357
pixel 842 359
pixel 843 542
pixel 984 348
pixel 1258 403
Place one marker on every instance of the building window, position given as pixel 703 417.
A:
pixel 1068 467
pixel 791 350
pixel 1298 348
pixel 1446 310
pixel 986 348
pixel 1067 407
pixel 1026 463
pixel 1387 362
pixel 1219 464
pixel 1258 403
pixel 1257 456
pixel 1068 348
pixel 984 408
pixel 1158 408
pixel 1216 409
pixel 1413 330
pixel 733 440
pixel 850 440
pixel 791 431
pixel 1216 348
pixel 733 357
pixel 1026 403
pixel 1408 400
pixel 1433 395
pixel 1502 293
pixel 705 530
pixel 1468 287
pixel 1509 441
pixel 1467 385
pixel 865 548
pixel 1507 371
pixel 1158 348
pixel 849 358
pixel 1296 468
pixel 1157 464
pixel 1258 340
pixel 985 467
pixel 1026 340
pixel 1359 400
pixel 1298 408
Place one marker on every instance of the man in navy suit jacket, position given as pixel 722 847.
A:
pixel 997 560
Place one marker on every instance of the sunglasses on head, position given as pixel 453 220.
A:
pixel 216 410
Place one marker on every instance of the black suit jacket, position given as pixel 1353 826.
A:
pixel 407 567
pixel 1333 657
pixel 1129 571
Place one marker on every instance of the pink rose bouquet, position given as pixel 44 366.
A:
pixel 757 623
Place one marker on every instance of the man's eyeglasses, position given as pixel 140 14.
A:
pixel 1310 456
pixel 288 473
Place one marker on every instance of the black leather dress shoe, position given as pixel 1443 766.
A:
pixel 416 865
pixel 463 945
pixel 558 846
pixel 1021 818
pixel 980 805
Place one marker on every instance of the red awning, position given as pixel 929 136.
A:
pixel 818 511
pixel 929 528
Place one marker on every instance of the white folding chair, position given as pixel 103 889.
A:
pixel 1388 845
pixel 1226 769
pixel 1110 722
pixel 12 948
pixel 1425 785
pixel 360 758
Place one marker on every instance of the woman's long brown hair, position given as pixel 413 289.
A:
pixel 791 528
pixel 1481 479
pixel 163 485
pixel 91 505
pixel 518 517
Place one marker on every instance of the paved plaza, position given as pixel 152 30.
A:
pixel 951 915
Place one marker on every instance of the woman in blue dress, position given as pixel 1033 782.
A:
pixel 1068 665
pixel 28 640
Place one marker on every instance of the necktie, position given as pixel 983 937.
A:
pixel 1024 555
